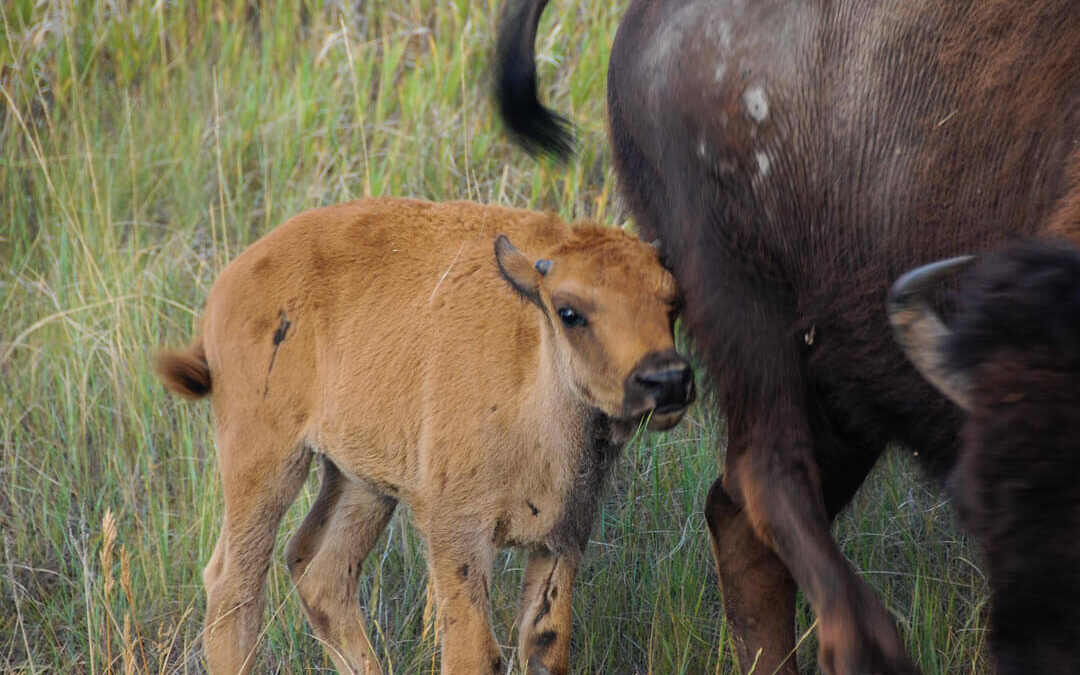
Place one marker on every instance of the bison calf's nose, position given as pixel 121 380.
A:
pixel 670 388
pixel 662 383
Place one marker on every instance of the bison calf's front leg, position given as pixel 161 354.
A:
pixel 544 620
pixel 462 582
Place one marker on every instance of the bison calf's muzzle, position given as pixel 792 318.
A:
pixel 662 384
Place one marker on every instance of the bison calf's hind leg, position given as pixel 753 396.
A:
pixel 258 491
pixel 759 593
pixel 544 621
pixel 325 558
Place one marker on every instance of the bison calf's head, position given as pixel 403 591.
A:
pixel 609 313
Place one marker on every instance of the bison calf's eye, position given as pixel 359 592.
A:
pixel 570 318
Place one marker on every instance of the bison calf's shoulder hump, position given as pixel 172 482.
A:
pixel 483 364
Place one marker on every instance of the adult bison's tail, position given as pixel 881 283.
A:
pixel 185 372
pixel 535 128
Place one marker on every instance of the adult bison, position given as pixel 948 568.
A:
pixel 1010 358
pixel 794 158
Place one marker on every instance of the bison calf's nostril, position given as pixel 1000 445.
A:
pixel 670 386
pixel 658 381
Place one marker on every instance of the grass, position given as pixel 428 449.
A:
pixel 144 144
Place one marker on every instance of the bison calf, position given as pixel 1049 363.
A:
pixel 385 337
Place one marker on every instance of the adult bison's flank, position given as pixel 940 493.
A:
pixel 794 158
pixel 425 358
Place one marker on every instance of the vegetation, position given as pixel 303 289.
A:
pixel 144 144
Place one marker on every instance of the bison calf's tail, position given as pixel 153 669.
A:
pixel 186 373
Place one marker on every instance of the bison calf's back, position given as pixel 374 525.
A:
pixel 425 358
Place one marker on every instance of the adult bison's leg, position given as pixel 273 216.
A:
pixel 759 593
pixel 773 474
pixel 544 621
pixel 325 558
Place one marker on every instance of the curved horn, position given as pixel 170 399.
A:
pixel 535 128
pixel 919 331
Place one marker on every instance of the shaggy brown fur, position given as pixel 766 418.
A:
pixel 794 158
pixel 1011 359
pixel 385 337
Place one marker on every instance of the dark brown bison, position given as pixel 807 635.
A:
pixel 794 158
pixel 1010 358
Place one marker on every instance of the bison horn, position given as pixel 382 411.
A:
pixel 921 334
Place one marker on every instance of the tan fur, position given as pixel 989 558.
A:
pixel 384 336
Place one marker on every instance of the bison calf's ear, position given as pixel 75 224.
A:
pixel 518 269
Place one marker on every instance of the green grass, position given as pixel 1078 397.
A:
pixel 144 144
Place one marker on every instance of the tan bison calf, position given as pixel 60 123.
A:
pixel 425 359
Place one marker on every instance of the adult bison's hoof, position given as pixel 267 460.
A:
pixel 865 660
pixel 867 645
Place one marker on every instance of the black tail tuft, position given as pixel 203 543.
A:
pixel 537 129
